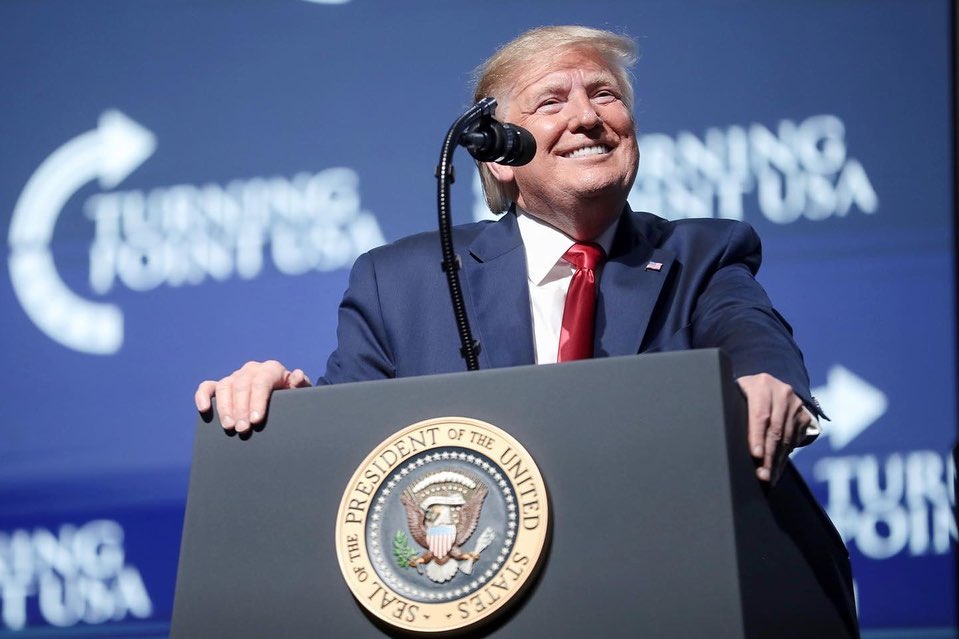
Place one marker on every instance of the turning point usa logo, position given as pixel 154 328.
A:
pixel 75 575
pixel 174 235
pixel 799 170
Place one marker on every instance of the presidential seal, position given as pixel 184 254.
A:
pixel 442 525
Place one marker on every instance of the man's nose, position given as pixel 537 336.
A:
pixel 583 114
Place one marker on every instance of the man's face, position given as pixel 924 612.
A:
pixel 585 141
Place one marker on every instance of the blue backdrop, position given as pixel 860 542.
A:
pixel 184 186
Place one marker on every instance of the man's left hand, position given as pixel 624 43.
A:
pixel 777 422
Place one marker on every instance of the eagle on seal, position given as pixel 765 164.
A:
pixel 442 512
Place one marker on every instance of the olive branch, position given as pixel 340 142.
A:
pixel 402 550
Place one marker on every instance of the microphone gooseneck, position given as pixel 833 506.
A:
pixel 487 140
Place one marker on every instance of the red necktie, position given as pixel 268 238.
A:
pixel 576 336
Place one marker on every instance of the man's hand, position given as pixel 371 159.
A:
pixel 777 422
pixel 243 396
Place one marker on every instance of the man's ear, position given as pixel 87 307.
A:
pixel 502 173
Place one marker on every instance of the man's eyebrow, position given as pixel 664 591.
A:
pixel 604 78
pixel 548 88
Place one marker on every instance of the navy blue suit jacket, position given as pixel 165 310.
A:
pixel 396 318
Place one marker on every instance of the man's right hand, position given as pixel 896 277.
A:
pixel 242 397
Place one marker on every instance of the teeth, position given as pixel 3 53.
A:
pixel 599 149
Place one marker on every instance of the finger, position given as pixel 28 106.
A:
pixel 779 429
pixel 803 420
pixel 204 395
pixel 779 461
pixel 241 403
pixel 773 449
pixel 260 392
pixel 799 419
pixel 298 379
pixel 224 402
pixel 758 402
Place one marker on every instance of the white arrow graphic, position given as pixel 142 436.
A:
pixel 852 404
pixel 111 152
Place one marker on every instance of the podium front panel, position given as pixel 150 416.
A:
pixel 635 453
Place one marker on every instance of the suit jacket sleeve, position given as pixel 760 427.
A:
pixel 362 351
pixel 734 313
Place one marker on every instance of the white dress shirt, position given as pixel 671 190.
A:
pixel 549 276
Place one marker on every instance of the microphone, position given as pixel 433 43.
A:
pixel 489 140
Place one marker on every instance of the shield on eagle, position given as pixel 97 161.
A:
pixel 440 539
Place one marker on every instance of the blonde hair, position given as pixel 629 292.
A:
pixel 494 76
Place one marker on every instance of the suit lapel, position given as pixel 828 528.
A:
pixel 498 295
pixel 629 287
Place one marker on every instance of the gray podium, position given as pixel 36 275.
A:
pixel 659 526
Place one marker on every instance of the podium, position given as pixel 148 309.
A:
pixel 659 527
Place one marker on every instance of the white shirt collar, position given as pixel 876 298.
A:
pixel 545 246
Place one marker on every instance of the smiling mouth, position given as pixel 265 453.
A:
pixel 599 149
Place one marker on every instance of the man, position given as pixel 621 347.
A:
pixel 661 285
pixel 654 285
